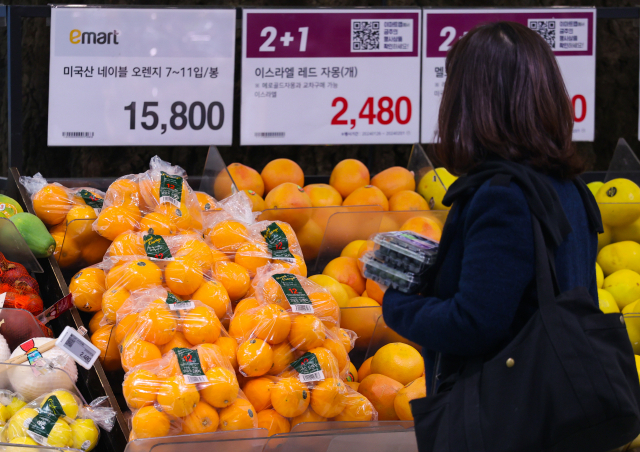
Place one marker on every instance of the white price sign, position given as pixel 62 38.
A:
pixel 330 76
pixel 135 76
pixel 571 33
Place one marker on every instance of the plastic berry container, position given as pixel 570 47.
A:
pixel 382 273
pixel 405 250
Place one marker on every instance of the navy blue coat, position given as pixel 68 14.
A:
pixel 485 291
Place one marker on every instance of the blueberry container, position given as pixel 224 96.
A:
pixel 382 273
pixel 405 250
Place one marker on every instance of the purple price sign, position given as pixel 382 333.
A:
pixel 325 35
pixel 568 34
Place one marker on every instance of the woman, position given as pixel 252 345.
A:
pixel 505 123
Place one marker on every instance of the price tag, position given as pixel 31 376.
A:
pixel 571 33
pixel 81 350
pixel 138 76
pixel 308 368
pixel 330 76
pixel 61 306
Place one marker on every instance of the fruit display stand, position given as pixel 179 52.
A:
pixel 15 248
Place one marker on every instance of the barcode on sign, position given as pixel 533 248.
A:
pixel 305 308
pixel 193 379
pixel 77 134
pixel 546 29
pixel 170 200
pixel 315 376
pixel 75 346
pixel 270 134
pixel 185 305
pixel 365 35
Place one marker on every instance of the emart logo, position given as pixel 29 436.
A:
pixel 92 37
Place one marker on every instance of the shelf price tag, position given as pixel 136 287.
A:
pixel 324 76
pixel 80 349
pixel 137 76
pixel 571 33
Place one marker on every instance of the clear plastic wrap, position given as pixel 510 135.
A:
pixel 386 275
pixel 405 250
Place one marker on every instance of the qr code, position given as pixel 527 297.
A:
pixel 365 35
pixel 546 29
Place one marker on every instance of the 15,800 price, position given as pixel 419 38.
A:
pixel 196 116
pixel 387 111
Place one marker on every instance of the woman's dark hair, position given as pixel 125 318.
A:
pixel 504 95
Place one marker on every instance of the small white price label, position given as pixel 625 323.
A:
pixel 81 350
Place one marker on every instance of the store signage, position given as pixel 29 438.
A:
pixel 137 76
pixel 343 76
pixel 571 33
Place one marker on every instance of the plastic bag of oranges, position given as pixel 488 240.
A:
pixel 207 202
pixel 281 244
pixel 189 390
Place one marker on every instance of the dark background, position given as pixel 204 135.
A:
pixel 616 102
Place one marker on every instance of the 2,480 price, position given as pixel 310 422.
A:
pixel 387 111
pixel 196 116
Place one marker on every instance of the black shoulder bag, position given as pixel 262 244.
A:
pixel 567 382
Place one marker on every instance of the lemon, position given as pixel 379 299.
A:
pixel 19 423
pixel 434 185
pixel 633 329
pixel 594 187
pixel 638 365
pixel 15 406
pixel 599 276
pixel 604 239
pixel 67 400
pixel 60 435
pixel 624 285
pixel 619 202
pixel 628 232
pixel 85 434
pixel 333 286
pixel 619 256
pixel 20 440
pixel 606 302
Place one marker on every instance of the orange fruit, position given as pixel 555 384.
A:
pixel 79 220
pixel 214 295
pixel 94 249
pixel 203 419
pixel 211 356
pixel 345 338
pixel 242 325
pixel 183 275
pixel 345 270
pixel 282 356
pixel 51 204
pixel 142 274
pixel 350 292
pixel 218 256
pixel 399 361
pixel 140 388
pixel 325 307
pixel 299 268
pixel 255 358
pixel 388 223
pixel 310 239
pixel 429 227
pixel 328 362
pixel 238 416
pixel 272 323
pixel 148 422
pixel 221 389
pixel 150 190
pixel 407 200
pixel 374 291
pixel 308 416
pixel 307 332
pixel 352 374
pixel 115 220
pixel 124 327
pixel 206 202
pixel 353 385
pixel 67 251
pixel 157 324
pixel 176 397
pixel 357 408
pixel 328 397
pixel 233 277
pixel 352 249
pixel 246 178
pixel 336 347
pixel 290 397
pixel 109 353
pixel 245 305
pixel 137 352
pixel 258 391
pixel 252 256
pixel 127 244
pixel 159 223
pixel 222 186
pixel 367 196
pixel 394 180
pixel 273 422
pixel 94 323
pixel 362 318
pixel 280 171
pixel 349 175
pixel 381 392
pixel 256 200
pixel 112 300
pixel 61 227
pixel 367 246
pixel 323 195
pixel 195 248
pixel 182 217
pixel 200 325
pixel 115 275
pixel 87 287
pixel 272 293
pixel 123 191
pixel 178 340
pixel 228 235
pixel 294 202
pixel 229 348
pixel 416 389
pixel 365 369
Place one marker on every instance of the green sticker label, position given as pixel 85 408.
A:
pixel 308 367
pixel 41 425
pixel 296 296
pixel 176 304
pixel 189 362
pixel 155 246
pixel 170 189
pixel 91 199
pixel 277 242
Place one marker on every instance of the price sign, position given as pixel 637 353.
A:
pixel 128 76
pixel 571 33
pixel 330 76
